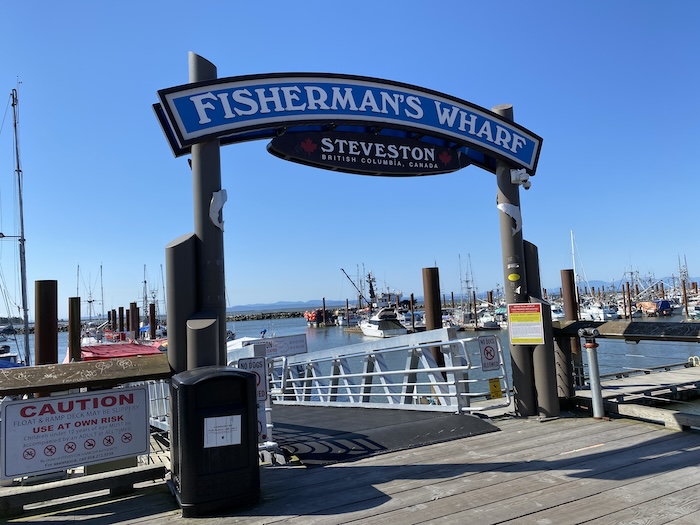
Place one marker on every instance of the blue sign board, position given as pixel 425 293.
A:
pixel 253 107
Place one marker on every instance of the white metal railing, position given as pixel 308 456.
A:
pixel 159 403
pixel 402 374
pixel 398 372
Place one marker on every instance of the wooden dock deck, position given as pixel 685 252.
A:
pixel 409 467
pixel 574 469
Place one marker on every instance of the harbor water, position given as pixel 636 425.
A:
pixel 614 356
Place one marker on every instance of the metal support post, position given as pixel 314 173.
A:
pixel 181 296
pixel 202 334
pixel 593 372
pixel 568 287
pixel 208 221
pixel 433 312
pixel 543 360
pixel 508 203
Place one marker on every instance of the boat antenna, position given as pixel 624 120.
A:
pixel 22 255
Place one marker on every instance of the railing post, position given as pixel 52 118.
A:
pixel 593 372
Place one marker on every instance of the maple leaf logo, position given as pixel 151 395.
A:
pixel 445 157
pixel 309 146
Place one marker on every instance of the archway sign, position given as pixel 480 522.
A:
pixel 346 123
pixel 338 122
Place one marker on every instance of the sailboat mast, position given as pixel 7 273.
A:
pixel 22 254
pixel 573 257
pixel 102 296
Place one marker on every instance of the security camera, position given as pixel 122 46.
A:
pixel 518 176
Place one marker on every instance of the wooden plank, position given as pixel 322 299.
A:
pixel 530 439
pixel 673 419
pixel 12 499
pixel 103 373
pixel 689 519
pixel 385 490
pixel 510 499
pixel 653 499
pixel 527 469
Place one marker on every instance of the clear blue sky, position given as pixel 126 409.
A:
pixel 611 86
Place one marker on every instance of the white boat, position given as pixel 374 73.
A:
pixel 351 320
pixel 557 313
pixel 598 312
pixel 384 323
pixel 93 333
pixel 487 321
pixel 411 321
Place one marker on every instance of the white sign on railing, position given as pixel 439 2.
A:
pixel 488 348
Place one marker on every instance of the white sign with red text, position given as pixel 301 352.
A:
pixel 258 366
pixel 46 434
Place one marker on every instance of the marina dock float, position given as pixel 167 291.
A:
pixel 669 396
pixel 570 469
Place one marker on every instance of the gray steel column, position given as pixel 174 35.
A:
pixel 206 183
pixel 543 361
pixel 181 297
pixel 508 203
pixel 202 332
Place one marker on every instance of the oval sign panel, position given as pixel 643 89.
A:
pixel 367 154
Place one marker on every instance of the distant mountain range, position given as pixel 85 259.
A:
pixel 332 304
pixel 280 306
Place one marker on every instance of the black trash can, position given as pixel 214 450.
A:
pixel 214 440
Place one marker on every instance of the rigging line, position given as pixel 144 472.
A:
pixel 4 116
pixel 5 294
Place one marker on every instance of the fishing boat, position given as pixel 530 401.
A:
pixel 352 319
pixel 557 313
pixel 318 317
pixel 487 321
pixel 383 323
pixel 664 307
pixel 8 358
pixel 411 320
pixel 598 312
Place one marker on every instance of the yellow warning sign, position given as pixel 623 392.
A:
pixel 495 388
pixel 525 324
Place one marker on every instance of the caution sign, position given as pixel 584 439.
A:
pixel 525 324
pixel 488 348
pixel 495 388
pixel 53 433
